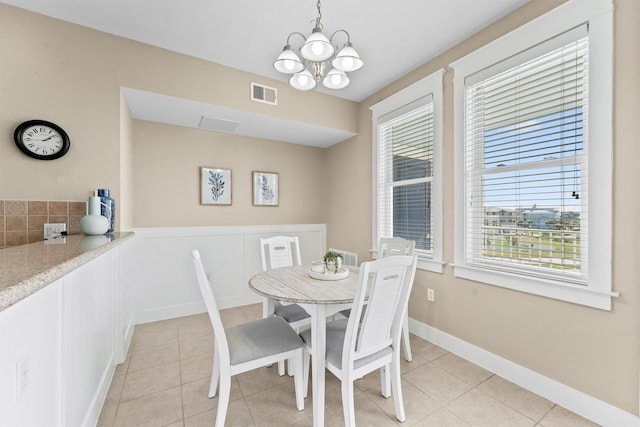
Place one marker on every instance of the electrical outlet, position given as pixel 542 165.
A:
pixel 22 377
pixel 431 295
pixel 54 230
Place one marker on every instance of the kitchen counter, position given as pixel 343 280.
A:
pixel 28 268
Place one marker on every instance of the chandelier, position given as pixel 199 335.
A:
pixel 317 53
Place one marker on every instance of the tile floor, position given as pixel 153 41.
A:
pixel 165 379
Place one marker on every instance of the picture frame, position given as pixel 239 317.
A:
pixel 215 186
pixel 265 189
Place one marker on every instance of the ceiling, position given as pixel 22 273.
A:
pixel 392 37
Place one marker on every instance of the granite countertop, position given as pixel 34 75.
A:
pixel 27 268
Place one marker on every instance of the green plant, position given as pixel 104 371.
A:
pixel 335 258
pixel 332 256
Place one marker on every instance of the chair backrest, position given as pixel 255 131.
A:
pixel 280 251
pixel 388 246
pixel 222 346
pixel 384 286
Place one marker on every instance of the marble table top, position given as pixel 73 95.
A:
pixel 27 268
pixel 293 284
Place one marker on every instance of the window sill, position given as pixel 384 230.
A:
pixel 597 298
pixel 428 264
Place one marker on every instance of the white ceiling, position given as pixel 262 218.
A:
pixel 392 37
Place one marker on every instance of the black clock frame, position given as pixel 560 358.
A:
pixel 19 132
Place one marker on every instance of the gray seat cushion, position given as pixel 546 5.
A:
pixel 261 338
pixel 291 313
pixel 335 343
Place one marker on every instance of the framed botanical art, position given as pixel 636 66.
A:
pixel 265 189
pixel 215 186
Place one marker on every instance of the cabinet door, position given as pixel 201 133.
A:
pixel 30 360
pixel 88 337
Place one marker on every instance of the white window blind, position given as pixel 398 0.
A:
pixel 405 174
pixel 525 162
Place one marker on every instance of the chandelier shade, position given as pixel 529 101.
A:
pixel 303 80
pixel 318 56
pixel 288 61
pixel 317 48
pixel 336 79
pixel 347 59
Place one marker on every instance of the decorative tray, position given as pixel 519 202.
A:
pixel 343 273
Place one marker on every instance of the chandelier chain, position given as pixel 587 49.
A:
pixel 318 24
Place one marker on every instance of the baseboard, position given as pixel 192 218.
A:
pixel 128 336
pixel 576 401
pixel 170 312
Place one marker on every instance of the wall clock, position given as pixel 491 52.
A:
pixel 41 139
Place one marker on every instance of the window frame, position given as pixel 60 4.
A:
pixel 598 15
pixel 431 85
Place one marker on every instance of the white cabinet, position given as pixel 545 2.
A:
pixel 59 346
pixel 30 360
pixel 88 339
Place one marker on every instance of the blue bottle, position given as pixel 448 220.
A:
pixel 108 208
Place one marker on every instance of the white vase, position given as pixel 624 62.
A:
pixel 94 225
pixel 334 266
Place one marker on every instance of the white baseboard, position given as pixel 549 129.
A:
pixel 170 312
pixel 576 401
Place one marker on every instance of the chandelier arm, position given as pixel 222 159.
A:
pixel 298 33
pixel 340 31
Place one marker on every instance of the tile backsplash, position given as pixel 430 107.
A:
pixel 22 221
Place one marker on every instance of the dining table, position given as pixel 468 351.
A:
pixel 321 298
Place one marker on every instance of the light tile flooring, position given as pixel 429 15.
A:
pixel 165 379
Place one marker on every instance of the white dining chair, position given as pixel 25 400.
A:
pixel 370 339
pixel 276 252
pixel 247 347
pixel 390 246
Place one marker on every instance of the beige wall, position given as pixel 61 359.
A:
pixel 594 351
pixel 167 178
pixel 72 76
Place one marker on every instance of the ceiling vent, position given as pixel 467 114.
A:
pixel 220 125
pixel 265 94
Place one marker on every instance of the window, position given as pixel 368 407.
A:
pixel 533 158
pixel 407 195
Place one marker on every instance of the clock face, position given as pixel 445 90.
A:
pixel 41 139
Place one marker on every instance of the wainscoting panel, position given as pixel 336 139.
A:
pixel 166 285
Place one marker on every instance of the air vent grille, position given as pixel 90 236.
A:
pixel 220 125
pixel 265 94
pixel 348 258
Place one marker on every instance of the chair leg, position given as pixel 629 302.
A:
pixel 406 344
pixel 348 403
pixel 281 368
pixel 298 379
pixel 290 369
pixel 215 374
pixel 396 387
pixel 385 382
pixel 290 361
pixel 223 399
